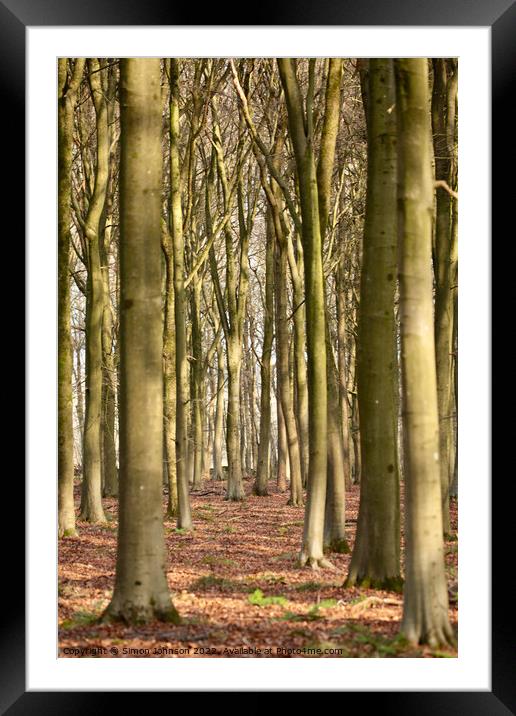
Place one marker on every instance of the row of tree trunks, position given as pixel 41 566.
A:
pixel 154 422
pixel 282 360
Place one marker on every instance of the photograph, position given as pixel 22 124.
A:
pixel 257 357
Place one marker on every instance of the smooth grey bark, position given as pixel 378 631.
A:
pixel 376 555
pixel 444 96
pixel 141 591
pixel 300 121
pixel 184 517
pixel 282 371
pixel 425 604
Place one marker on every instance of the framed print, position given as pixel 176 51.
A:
pixel 39 672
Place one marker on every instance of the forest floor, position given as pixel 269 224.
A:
pixel 237 588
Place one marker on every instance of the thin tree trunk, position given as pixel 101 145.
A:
pixel 79 408
pixel 218 473
pixel 338 468
pixel 197 380
pixel 342 368
pixel 169 377
pixel 282 372
pixel 263 467
pixel 296 269
pixel 91 498
pixel 184 518
pixel 454 278
pixel 234 362
pixel 67 93
pixel 312 548
pixel 443 126
pixel 110 473
pixel 282 463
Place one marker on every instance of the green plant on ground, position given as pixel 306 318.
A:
pixel 377 645
pixel 258 599
pixel 80 618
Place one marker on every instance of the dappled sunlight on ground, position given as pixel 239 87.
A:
pixel 238 589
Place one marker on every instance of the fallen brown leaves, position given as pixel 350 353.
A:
pixel 214 574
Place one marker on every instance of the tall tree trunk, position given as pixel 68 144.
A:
pixel 425 608
pixel 234 364
pixel 282 372
pixel 443 126
pixel 282 463
pixel 91 498
pixel 197 390
pixel 184 520
pixel 296 269
pixel 169 377
pixel 376 554
pixel 302 141
pixel 232 320
pixel 141 591
pixel 218 433
pixel 67 93
pixel 263 466
pixel 250 404
pixel 110 472
pixel 337 466
pixel 342 367
pixel 454 277
pixel 79 407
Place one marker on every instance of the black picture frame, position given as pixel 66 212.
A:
pixel 500 16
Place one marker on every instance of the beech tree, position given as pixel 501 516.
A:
pixel 258 283
pixel 93 226
pixel 425 606
pixel 376 554
pixel 300 120
pixel 67 95
pixel 182 455
pixel 141 591
pixel 263 466
pixel 444 97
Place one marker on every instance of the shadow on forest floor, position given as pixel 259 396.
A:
pixel 238 589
